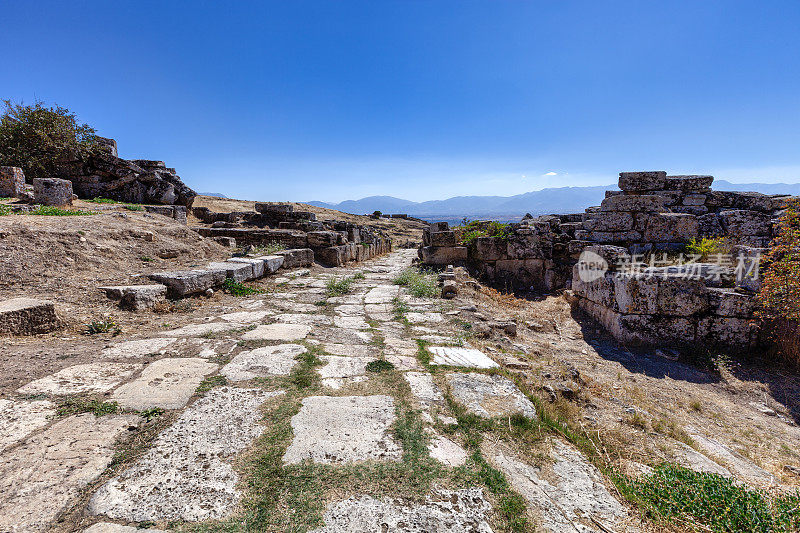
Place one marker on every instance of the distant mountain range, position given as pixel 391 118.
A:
pixel 544 201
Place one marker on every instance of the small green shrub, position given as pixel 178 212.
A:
pixel 238 289
pixel 469 231
pixel 419 284
pixel 99 200
pixel 707 247
pixel 151 413
pixel 53 211
pixel 379 365
pixel 133 207
pixel 102 326
pixel 77 405
pixel 338 286
pixel 210 383
pixel 677 493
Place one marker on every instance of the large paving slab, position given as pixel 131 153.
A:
pixel 340 370
pixel 424 318
pixel 464 510
pixel 352 350
pixel 343 429
pixel 18 419
pixel 245 317
pixel 383 294
pixel 139 348
pixel 261 362
pixel 570 494
pixel 350 322
pixel 166 383
pixel 343 336
pixel 42 476
pixel 197 330
pixel 278 332
pixel 186 475
pixel 349 310
pixel 446 451
pixel 424 388
pixel 90 377
pixel 489 396
pixel 305 319
pixel 455 356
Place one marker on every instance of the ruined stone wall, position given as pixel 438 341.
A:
pixel 334 242
pixel 626 260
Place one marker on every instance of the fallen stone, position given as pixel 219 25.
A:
pixel 12 182
pixel 236 271
pixel 185 282
pixel 466 357
pixel 52 191
pixel 18 419
pixel 489 396
pixel 261 362
pixel 90 377
pixel 136 297
pixel 45 474
pixel 443 512
pixel 449 290
pixel 278 332
pixel 343 429
pixel 186 474
pixel 26 316
pixel 256 264
pixel 272 263
pixel 166 383
pixel 570 498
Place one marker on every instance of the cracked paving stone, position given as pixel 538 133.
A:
pixel 138 348
pixel 489 396
pixel 91 377
pixel 466 357
pixel 166 383
pixel 278 332
pixel 18 419
pixel 261 362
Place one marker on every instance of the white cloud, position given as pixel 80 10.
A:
pixel 551 173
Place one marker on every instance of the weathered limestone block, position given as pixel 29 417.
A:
pixel 630 202
pixel 741 222
pixel 600 291
pixel 729 303
pixel 26 316
pixel 490 248
pixel 228 242
pixel 614 236
pixel 532 246
pixel 610 221
pixel 439 255
pixel 236 271
pixel 696 210
pixel 332 256
pixel 273 262
pixel 730 332
pixel 680 296
pixel 12 182
pixel 163 210
pixel 136 297
pixel 654 330
pixel 449 290
pixel 614 256
pixel 670 198
pixel 709 225
pixel 52 191
pixel 185 282
pixel 297 257
pixel 642 181
pixel 256 264
pixel 523 273
pixel 695 199
pixel 755 201
pixel 439 226
pixel 322 239
pixel 711 274
pixel 671 227
pixel 688 182
pixel 273 209
pixel 636 294
pixel 443 238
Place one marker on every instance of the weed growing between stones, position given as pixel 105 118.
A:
pixel 379 365
pixel 211 382
pixel 4 210
pixel 710 502
pixel 78 404
pixel 400 309
pixel 52 211
pixel 235 288
pixel 419 284
pixel 227 332
pixel 98 200
pixel 339 286
pixel 151 413
pixel 133 207
pixel 102 326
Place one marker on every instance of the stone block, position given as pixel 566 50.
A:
pixel 179 214
pixel 443 238
pixel 525 274
pixel 332 256
pixel 273 209
pixel 709 225
pixel 729 332
pixel 671 227
pixel 235 270
pixel 26 316
pixel 228 242
pixel 642 181
pixel 52 191
pixel 490 248
pixel 439 226
pixel 633 202
pixel 697 210
pixel 533 246
pixel 654 330
pixel 741 223
pixel 600 290
pixel 12 182
pixel 297 257
pixel 614 236
pixel 449 290
pixel 688 182
pixel 273 262
pixel 163 210
pixel 612 221
pixel 680 296
pixel 136 297
pixel 729 303
pixel 322 239
pixel 636 294
pixel 695 199
pixel 256 263
pixel 185 282
pixel 438 255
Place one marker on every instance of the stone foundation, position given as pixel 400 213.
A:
pixel 52 191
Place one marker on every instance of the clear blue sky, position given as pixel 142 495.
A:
pixel 312 100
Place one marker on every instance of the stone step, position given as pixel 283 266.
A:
pixel 26 316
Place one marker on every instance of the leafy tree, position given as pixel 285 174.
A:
pixel 779 296
pixel 39 138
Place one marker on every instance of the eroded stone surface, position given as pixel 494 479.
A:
pixel 489 395
pixel 245 317
pixel 186 475
pixel 446 451
pixel 443 512
pixel 569 496
pixel 196 330
pixel 41 477
pixel 109 527
pixel 305 319
pixel 18 419
pixel 738 464
pixel 166 383
pixel 269 360
pixel 423 387
pixel 91 377
pixel 343 430
pixel 691 458
pixel 351 350
pixel 278 332
pixel 455 356
pixel 350 322
pixel 138 348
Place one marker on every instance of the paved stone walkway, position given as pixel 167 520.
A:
pixel 246 360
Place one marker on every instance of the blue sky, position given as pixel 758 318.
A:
pixel 312 100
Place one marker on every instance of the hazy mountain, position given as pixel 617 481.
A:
pixel 544 201
pixel 214 194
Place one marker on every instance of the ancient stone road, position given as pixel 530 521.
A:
pixel 189 472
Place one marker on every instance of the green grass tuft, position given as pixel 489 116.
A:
pixel 379 365
pixel 238 289
pixel 210 383
pixel 419 284
pixel 338 286
pixel 102 326
pixel 77 405
pixel 52 211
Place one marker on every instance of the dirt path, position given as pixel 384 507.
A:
pixel 300 410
